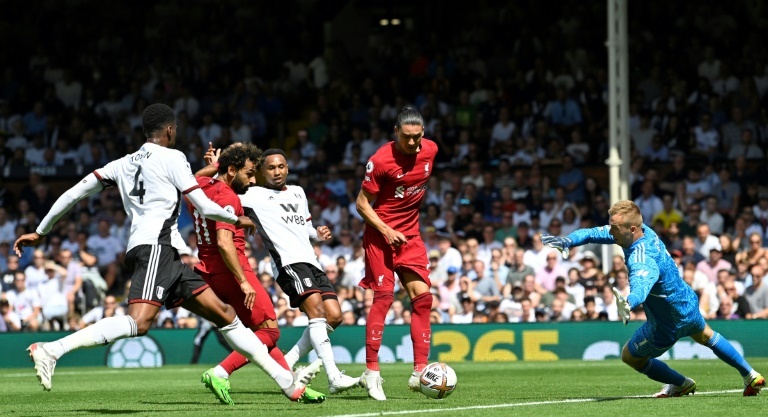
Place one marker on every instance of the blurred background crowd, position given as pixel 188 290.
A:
pixel 513 92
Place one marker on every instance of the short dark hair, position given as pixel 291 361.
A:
pixel 237 155
pixel 270 152
pixel 156 117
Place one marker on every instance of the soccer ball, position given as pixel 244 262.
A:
pixel 437 380
pixel 138 352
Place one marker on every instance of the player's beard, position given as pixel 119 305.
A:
pixel 239 187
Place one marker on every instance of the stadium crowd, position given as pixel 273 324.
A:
pixel 518 106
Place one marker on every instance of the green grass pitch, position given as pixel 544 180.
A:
pixel 565 388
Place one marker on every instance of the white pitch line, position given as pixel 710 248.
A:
pixel 485 407
pixel 94 372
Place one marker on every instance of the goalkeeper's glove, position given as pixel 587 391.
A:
pixel 622 305
pixel 560 243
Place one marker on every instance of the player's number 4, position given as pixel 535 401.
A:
pixel 138 187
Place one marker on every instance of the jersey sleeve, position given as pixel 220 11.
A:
pixel 592 235
pixel 374 175
pixel 231 204
pixel 311 231
pixel 180 173
pixel 644 272
pixel 108 174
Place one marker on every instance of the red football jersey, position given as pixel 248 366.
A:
pixel 399 180
pixel 207 244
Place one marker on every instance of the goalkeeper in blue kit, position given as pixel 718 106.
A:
pixel 670 304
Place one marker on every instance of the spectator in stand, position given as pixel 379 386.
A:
pixel 712 217
pixel 668 214
pixel 649 203
pixel 746 147
pixel 572 180
pixel 10 321
pixel 26 303
pixel 757 293
pixel 109 251
pixel 707 140
pixel 714 264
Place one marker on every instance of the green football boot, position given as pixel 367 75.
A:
pixel 218 386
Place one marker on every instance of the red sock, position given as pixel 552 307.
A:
pixel 374 327
pixel 233 362
pixel 269 337
pixel 421 329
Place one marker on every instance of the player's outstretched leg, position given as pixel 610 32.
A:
pixel 103 332
pixel 753 381
pixel 645 362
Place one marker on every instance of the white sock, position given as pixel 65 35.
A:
pixel 318 334
pixel 302 347
pixel 101 333
pixel 220 372
pixel 247 344
pixel 751 375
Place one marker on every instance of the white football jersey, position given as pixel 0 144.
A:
pixel 283 221
pixel 151 182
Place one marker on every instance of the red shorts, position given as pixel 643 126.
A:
pixel 382 261
pixel 228 290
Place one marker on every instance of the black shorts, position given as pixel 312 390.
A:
pixel 159 277
pixel 300 280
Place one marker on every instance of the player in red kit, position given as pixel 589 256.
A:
pixel 395 180
pixel 225 268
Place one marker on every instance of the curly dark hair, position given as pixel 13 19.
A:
pixel 236 155
pixel 156 117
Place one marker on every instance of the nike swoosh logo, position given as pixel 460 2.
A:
pixel 375 338
pixel 400 175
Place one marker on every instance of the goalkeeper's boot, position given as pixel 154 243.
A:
pixel 45 363
pixel 669 390
pixel 301 378
pixel 371 381
pixel 753 383
pixel 218 386
pixel 341 383
pixel 413 382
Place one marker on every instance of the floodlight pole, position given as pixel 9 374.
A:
pixel 618 106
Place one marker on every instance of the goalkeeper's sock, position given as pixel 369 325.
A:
pixel 725 351
pixel 421 329
pixel 101 333
pixel 660 371
pixel 374 327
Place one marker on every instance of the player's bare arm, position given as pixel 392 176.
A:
pixel 228 253
pixel 29 239
pixel 365 210
pixel 207 171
